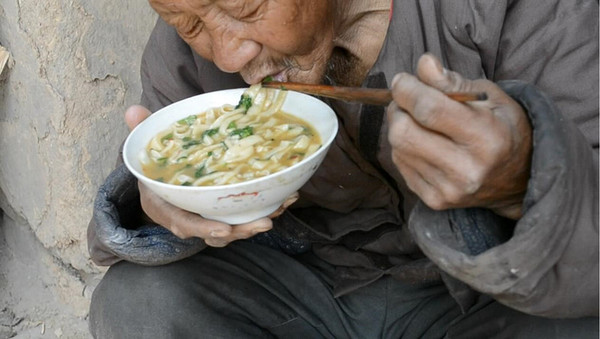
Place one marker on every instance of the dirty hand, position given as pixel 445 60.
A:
pixel 185 224
pixel 456 155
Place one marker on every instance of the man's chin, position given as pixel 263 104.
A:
pixel 307 79
pixel 313 77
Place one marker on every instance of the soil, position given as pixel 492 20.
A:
pixel 39 297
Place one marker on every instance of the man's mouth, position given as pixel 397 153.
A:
pixel 281 76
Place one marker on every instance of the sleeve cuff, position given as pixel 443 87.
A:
pixel 527 269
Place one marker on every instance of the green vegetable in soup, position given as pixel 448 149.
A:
pixel 242 132
pixel 245 102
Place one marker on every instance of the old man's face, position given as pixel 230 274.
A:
pixel 290 40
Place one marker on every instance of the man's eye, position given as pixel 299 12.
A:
pixel 254 14
pixel 190 28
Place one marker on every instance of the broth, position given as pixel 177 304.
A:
pixel 231 144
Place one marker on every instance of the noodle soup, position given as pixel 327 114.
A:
pixel 230 144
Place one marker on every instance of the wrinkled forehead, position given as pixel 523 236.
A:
pixel 228 5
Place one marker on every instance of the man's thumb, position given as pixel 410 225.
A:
pixel 431 72
pixel 135 115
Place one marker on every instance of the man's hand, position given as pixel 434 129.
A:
pixel 185 224
pixel 453 154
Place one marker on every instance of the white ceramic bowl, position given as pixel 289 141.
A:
pixel 241 202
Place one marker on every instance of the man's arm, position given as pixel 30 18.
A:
pixel 549 266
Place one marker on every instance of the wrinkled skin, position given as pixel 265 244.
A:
pixel 290 39
pixel 450 154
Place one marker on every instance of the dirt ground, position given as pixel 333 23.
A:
pixel 39 296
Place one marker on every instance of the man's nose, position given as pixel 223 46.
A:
pixel 231 52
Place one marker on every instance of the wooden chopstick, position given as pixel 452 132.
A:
pixel 371 96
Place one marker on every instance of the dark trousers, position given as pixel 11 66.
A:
pixel 251 291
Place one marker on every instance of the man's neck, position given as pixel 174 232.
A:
pixel 361 33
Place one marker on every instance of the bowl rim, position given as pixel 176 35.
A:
pixel 324 146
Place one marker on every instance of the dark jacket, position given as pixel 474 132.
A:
pixel 356 211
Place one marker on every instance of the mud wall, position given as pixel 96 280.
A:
pixel 73 69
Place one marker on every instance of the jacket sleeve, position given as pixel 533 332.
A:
pixel 169 72
pixel 548 266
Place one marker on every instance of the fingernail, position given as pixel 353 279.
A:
pixel 439 67
pixel 261 230
pixel 218 233
pixel 396 79
pixel 215 243
pixel 288 202
pixel 437 63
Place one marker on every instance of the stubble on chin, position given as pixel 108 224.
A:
pixel 343 69
pixel 292 70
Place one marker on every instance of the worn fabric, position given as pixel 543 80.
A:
pixel 547 264
pixel 356 211
pixel 143 242
pixel 188 299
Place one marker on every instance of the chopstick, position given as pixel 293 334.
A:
pixel 371 96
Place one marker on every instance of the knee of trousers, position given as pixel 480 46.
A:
pixel 133 299
pixel 224 290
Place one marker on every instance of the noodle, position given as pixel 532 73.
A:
pixel 230 144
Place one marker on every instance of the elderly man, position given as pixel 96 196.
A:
pixel 429 218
